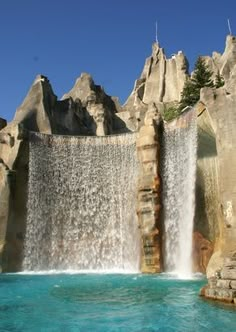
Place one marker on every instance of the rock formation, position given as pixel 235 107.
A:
pixel 162 80
pixel 149 191
pixel 88 110
pixel 217 164
pixel 222 286
pixel 224 63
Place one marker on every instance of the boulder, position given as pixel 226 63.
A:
pixel 222 286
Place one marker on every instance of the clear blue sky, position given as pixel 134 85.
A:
pixel 109 39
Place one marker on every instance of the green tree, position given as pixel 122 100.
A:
pixel 219 80
pixel 190 94
pixel 201 77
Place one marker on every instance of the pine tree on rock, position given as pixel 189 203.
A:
pixel 202 75
pixel 219 80
pixel 190 94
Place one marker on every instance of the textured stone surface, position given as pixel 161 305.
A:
pixel 86 110
pixel 95 109
pixel 216 178
pixel 207 221
pixel 4 205
pixel 221 108
pixel 14 164
pixel 149 192
pixel 222 286
pixel 162 80
pixel 224 63
pixel 202 251
pixel 220 112
pixel 215 264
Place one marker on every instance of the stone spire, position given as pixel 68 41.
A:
pixel 162 79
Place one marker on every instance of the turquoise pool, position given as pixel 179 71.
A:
pixel 103 303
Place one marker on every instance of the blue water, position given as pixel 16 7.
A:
pixel 108 303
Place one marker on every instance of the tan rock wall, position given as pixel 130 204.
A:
pixel 149 193
pixel 202 251
pixel 220 105
pixel 162 80
pixel 207 212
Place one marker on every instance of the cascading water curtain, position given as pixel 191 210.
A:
pixel 82 204
pixel 179 178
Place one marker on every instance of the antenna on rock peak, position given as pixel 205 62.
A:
pixel 230 31
pixel 156 34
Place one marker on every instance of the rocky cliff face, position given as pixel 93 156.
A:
pixel 217 166
pixel 85 110
pixel 162 80
pixel 88 110
pixel 223 63
pixel 149 203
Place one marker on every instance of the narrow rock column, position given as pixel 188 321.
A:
pixel 149 192
pixel 4 206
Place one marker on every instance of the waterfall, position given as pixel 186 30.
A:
pixel 81 212
pixel 179 177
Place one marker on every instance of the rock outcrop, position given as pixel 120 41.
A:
pixel 222 286
pixel 217 167
pixel 202 252
pixel 149 192
pixel 88 110
pixel 162 80
pixel 94 108
pixel 85 110
pixel 220 105
pixel 225 63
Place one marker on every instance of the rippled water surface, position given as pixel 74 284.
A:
pixel 76 302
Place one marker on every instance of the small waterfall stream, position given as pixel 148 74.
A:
pixel 82 204
pixel 179 177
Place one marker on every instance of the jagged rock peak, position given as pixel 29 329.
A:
pixel 41 78
pixel 230 44
pixel 85 89
pixel 162 80
pixel 35 111
pixel 223 63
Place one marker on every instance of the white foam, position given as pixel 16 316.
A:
pixel 82 204
pixel 179 177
